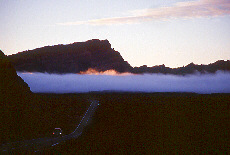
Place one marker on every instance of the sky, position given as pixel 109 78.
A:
pixel 146 32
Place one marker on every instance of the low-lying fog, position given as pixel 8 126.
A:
pixel 77 83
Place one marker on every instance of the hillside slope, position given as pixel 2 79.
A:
pixel 15 102
pixel 10 81
pixel 25 115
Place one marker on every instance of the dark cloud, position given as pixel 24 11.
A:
pixel 74 83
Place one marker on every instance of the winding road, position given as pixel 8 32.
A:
pixel 36 145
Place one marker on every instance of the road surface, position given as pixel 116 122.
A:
pixel 39 144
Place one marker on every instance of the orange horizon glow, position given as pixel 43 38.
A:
pixel 112 72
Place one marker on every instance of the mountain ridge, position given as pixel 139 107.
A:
pixel 191 68
pixel 71 58
pixel 98 55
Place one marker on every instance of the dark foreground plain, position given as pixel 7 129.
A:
pixel 154 123
pixel 39 144
pixel 126 123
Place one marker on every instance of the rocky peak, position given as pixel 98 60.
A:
pixel 72 58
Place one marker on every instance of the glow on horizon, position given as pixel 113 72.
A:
pixel 170 32
pixel 112 72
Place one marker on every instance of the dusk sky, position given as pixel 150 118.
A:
pixel 145 32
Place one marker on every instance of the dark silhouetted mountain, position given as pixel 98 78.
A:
pixel 14 100
pixel 72 58
pixel 189 69
pixel 98 55
pixel 10 82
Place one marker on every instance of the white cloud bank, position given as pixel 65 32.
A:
pixel 186 10
pixel 78 83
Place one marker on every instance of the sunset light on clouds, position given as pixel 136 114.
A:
pixel 190 9
pixel 170 32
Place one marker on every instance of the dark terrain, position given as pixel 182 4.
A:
pixel 127 123
pixel 25 115
pixel 72 58
pixel 124 123
pixel 220 65
pixel 98 55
